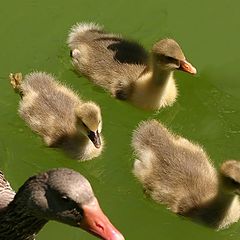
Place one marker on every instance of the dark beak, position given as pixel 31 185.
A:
pixel 187 67
pixel 95 138
pixel 95 222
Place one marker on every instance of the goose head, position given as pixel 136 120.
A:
pixel 169 56
pixel 66 196
pixel 89 122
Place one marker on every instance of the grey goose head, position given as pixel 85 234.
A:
pixel 169 55
pixel 66 196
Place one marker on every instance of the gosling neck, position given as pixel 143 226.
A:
pixel 160 76
pixel 17 224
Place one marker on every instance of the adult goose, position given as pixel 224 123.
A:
pixel 179 174
pixel 125 69
pixel 59 115
pixel 61 195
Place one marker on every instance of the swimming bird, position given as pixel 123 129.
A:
pixel 125 68
pixel 179 174
pixel 60 194
pixel 59 115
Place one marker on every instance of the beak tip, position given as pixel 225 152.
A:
pixel 120 237
pixel 116 235
pixel 187 67
pixel 194 71
pixel 97 145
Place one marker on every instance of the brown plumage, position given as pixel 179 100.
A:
pixel 61 195
pixel 58 114
pixel 178 173
pixel 124 67
pixel 6 192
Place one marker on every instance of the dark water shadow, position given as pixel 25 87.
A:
pixel 73 146
pixel 213 213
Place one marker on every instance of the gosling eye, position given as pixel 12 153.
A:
pixel 170 59
pixel 84 125
pixel 165 59
pixel 234 182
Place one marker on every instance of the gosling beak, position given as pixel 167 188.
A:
pixel 95 222
pixel 187 67
pixel 95 138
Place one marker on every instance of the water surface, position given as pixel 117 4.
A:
pixel 32 37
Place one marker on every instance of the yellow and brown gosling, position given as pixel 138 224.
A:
pixel 59 115
pixel 179 174
pixel 125 68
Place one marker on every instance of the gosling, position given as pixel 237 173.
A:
pixel 125 69
pixel 59 115
pixel 179 174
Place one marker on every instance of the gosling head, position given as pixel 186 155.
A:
pixel 66 196
pixel 230 173
pixel 169 56
pixel 89 122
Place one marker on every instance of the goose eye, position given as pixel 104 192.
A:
pixel 84 125
pixel 66 199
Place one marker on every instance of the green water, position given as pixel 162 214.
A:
pixel 32 37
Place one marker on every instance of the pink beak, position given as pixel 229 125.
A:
pixel 95 222
pixel 187 67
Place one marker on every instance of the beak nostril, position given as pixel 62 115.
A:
pixel 100 226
